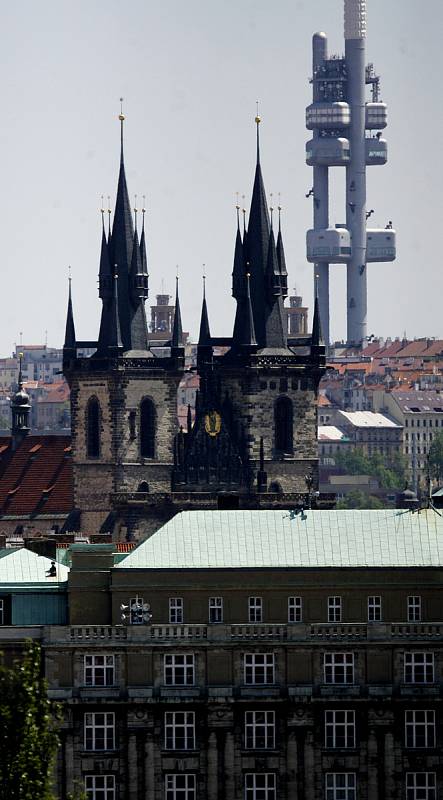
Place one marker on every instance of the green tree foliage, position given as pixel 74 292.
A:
pixel 357 499
pixel 390 475
pixel 436 456
pixel 28 737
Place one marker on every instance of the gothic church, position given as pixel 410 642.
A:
pixel 253 442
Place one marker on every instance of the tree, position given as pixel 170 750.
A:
pixel 436 456
pixel 28 736
pixel 390 475
pixel 359 500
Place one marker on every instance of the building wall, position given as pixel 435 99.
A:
pixel 299 694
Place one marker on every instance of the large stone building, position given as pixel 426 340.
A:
pixel 253 442
pixel 290 656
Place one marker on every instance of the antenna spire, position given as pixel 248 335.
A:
pixel 121 117
pixel 257 122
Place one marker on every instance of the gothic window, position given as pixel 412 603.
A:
pixel 93 428
pixel 283 420
pixel 147 429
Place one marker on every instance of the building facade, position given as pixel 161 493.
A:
pixel 255 655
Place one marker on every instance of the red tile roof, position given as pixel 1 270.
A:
pixel 37 477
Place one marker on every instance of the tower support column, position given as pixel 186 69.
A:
pixel 355 54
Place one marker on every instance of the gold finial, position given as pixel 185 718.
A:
pixel 102 209
pixel 144 204
pixel 257 118
pixel 121 116
pixel 317 278
pixel 237 205
pixel 135 210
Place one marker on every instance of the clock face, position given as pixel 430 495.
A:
pixel 212 423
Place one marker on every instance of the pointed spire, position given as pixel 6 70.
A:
pixel 70 341
pixel 177 330
pixel 272 268
pixel 105 284
pixel 248 337
pixel 281 258
pixel 143 241
pixel 122 242
pixel 257 122
pixel 114 340
pixel 238 272
pixel 317 335
pixel 20 410
pixel 204 338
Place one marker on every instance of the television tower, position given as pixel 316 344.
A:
pixel 346 133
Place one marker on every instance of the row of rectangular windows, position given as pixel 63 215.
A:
pixel 258 668
pixel 255 609
pixel 263 786
pixel 259 730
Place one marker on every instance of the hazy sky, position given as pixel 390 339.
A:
pixel 190 72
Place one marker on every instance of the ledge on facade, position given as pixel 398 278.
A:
pixel 319 633
pixel 17 633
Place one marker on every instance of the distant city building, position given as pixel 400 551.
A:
pixel 421 415
pixel 297 316
pixel 372 432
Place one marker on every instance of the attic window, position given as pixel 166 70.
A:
pixel 439 409
pixel 414 408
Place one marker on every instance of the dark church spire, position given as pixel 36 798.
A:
pixel 115 344
pixel 20 409
pixel 317 334
pixel 248 339
pixel 121 245
pixel 281 258
pixel 138 281
pixel 260 259
pixel 204 339
pixel 70 341
pixel 177 330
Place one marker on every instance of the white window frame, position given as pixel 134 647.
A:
pixel 99 669
pixel 179 730
pixel 260 786
pixel 340 786
pixel 374 608
pixel 414 608
pixel 419 724
pixel 215 610
pixel 419 667
pixel 99 728
pixel 335 663
pixel 176 610
pixel 180 786
pixel 259 730
pixel 259 669
pixel 176 665
pixel 340 728
pixel 421 786
pixel 100 787
pixel 255 606
pixel 334 609
pixel 295 609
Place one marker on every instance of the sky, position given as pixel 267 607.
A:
pixel 190 72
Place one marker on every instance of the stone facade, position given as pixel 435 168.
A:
pixel 225 748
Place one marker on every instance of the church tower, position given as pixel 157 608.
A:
pixel 123 397
pixel 255 432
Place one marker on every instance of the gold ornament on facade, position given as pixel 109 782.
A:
pixel 212 423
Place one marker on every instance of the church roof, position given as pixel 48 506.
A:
pixel 37 477
pixel 282 539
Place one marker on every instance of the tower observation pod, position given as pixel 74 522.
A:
pixel 346 130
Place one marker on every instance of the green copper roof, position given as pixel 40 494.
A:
pixel 253 539
pixel 22 566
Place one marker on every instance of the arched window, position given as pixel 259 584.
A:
pixel 283 421
pixel 147 429
pixel 143 487
pixel 93 428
